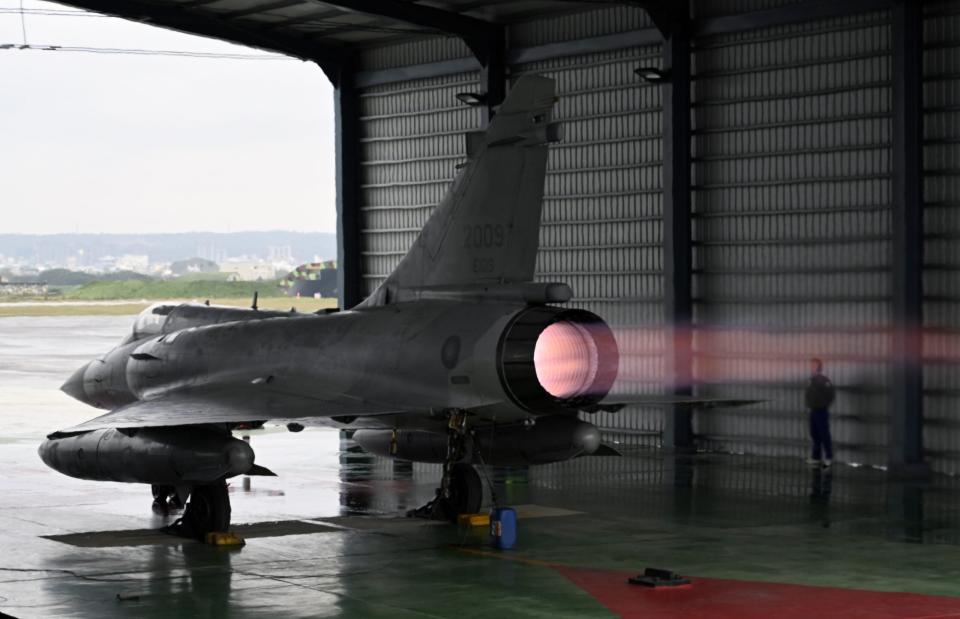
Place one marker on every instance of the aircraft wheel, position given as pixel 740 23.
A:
pixel 175 503
pixel 161 495
pixel 165 500
pixel 159 499
pixel 466 492
pixel 207 511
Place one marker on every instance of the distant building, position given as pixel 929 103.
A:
pixel 23 289
pixel 193 265
pixel 280 253
pixel 248 270
pixel 211 252
pixel 138 263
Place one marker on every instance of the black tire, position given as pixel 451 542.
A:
pixel 207 511
pixel 174 503
pixel 466 492
pixel 161 495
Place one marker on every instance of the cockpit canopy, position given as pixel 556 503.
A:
pixel 150 321
pixel 162 318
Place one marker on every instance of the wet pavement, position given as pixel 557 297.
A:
pixel 327 537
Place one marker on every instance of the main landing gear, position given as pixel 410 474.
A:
pixel 207 510
pixel 460 491
pixel 165 500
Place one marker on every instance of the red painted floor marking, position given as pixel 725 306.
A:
pixel 714 598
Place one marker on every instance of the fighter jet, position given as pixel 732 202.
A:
pixel 458 357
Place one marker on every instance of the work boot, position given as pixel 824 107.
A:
pixel 813 462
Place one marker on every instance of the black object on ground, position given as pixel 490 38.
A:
pixel 653 577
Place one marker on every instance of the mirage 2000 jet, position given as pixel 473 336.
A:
pixel 458 357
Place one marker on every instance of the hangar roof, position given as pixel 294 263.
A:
pixel 327 31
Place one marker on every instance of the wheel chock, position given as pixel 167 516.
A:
pixel 217 538
pixel 474 520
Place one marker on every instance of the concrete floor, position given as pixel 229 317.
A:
pixel 325 538
pixel 341 549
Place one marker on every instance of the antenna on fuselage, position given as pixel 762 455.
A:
pixel 255 296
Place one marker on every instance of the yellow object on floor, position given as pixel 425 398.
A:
pixel 224 539
pixel 474 520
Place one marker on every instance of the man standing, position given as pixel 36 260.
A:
pixel 819 395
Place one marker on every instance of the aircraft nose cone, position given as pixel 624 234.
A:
pixel 74 385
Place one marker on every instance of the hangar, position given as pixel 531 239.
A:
pixel 742 185
pixel 803 207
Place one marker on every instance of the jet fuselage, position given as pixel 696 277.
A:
pixel 407 357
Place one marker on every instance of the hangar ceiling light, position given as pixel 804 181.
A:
pixel 472 98
pixel 652 75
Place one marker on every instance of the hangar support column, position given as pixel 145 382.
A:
pixel 905 438
pixel 493 71
pixel 677 244
pixel 347 137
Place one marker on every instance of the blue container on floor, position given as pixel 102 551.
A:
pixel 503 528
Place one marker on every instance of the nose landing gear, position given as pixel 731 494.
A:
pixel 207 511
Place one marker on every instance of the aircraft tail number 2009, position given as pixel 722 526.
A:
pixel 483 237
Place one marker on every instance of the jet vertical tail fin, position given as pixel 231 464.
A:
pixel 485 231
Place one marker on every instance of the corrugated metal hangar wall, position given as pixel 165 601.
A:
pixel 941 157
pixel 793 222
pixel 791 185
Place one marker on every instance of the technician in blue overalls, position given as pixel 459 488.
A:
pixel 819 396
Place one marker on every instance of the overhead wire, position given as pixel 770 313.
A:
pixel 323 27
pixel 140 52
pixel 50 12
pixel 323 24
pixel 26 45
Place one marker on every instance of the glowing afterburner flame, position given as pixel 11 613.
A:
pixel 566 360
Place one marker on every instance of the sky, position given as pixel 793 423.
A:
pixel 124 143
